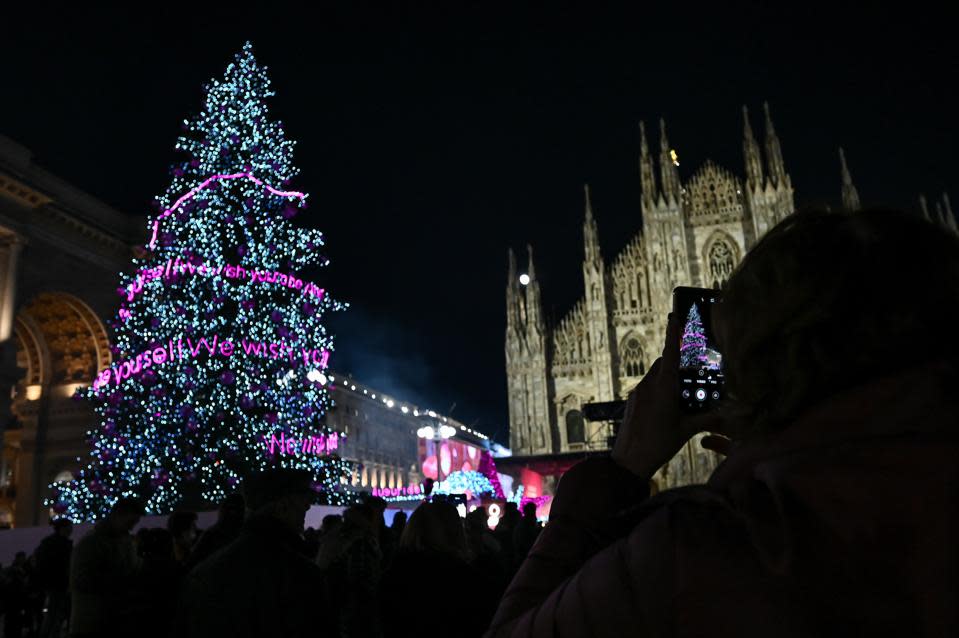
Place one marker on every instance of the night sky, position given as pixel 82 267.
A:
pixel 432 140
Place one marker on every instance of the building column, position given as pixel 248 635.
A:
pixel 10 247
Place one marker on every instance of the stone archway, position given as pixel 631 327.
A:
pixel 61 345
pixel 76 342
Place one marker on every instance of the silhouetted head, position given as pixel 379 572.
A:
pixel 281 493
pixel 477 520
pixel 829 300
pixel 510 516
pixel 529 510
pixel 435 527
pixel 182 525
pixel 360 516
pixel 125 514
pixel 62 527
pixel 378 505
pixel 330 522
pixel 232 510
pixel 399 520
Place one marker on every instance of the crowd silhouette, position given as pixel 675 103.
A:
pixel 834 513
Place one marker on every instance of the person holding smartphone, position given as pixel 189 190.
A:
pixel 836 510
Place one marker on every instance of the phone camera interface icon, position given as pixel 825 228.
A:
pixel 700 394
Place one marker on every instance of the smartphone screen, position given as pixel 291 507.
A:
pixel 700 362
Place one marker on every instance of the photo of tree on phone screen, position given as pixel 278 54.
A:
pixel 694 350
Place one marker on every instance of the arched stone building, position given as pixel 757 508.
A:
pixel 60 252
pixel 694 233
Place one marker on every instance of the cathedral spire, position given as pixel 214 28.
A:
pixel 669 176
pixel 534 310
pixel 944 214
pixel 774 154
pixel 647 175
pixel 754 165
pixel 850 196
pixel 590 231
pixel 513 310
pixel 950 218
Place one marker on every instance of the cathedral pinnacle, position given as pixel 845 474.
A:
pixel 647 175
pixel 514 310
pixel 850 196
pixel 946 217
pixel 669 176
pixel 590 231
pixel 924 207
pixel 774 154
pixel 534 310
pixel 770 129
pixel 754 165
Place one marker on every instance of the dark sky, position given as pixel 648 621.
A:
pixel 431 140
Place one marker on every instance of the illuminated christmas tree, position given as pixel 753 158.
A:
pixel 218 366
pixel 692 350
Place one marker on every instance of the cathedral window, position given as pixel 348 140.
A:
pixel 721 259
pixel 575 427
pixel 633 364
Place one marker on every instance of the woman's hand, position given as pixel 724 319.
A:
pixel 654 427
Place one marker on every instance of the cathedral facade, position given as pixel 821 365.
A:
pixel 694 234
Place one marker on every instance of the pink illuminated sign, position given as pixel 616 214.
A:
pixel 175 267
pixel 204 184
pixel 388 492
pixel 215 347
pixel 289 446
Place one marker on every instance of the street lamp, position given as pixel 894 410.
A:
pixel 437 435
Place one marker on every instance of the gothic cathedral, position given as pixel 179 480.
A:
pixel 693 234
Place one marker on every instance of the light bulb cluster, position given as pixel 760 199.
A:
pixel 204 420
pixel 405 408
pixel 470 482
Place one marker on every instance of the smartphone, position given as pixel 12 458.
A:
pixel 700 362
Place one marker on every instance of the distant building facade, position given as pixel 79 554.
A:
pixel 380 435
pixel 60 251
pixel 694 233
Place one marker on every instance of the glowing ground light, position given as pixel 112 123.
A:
pixel 493 520
pixel 524 279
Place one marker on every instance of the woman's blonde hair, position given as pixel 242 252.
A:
pixel 826 301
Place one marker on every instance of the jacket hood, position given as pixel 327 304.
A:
pixel 860 494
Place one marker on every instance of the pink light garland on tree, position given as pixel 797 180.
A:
pixel 204 184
